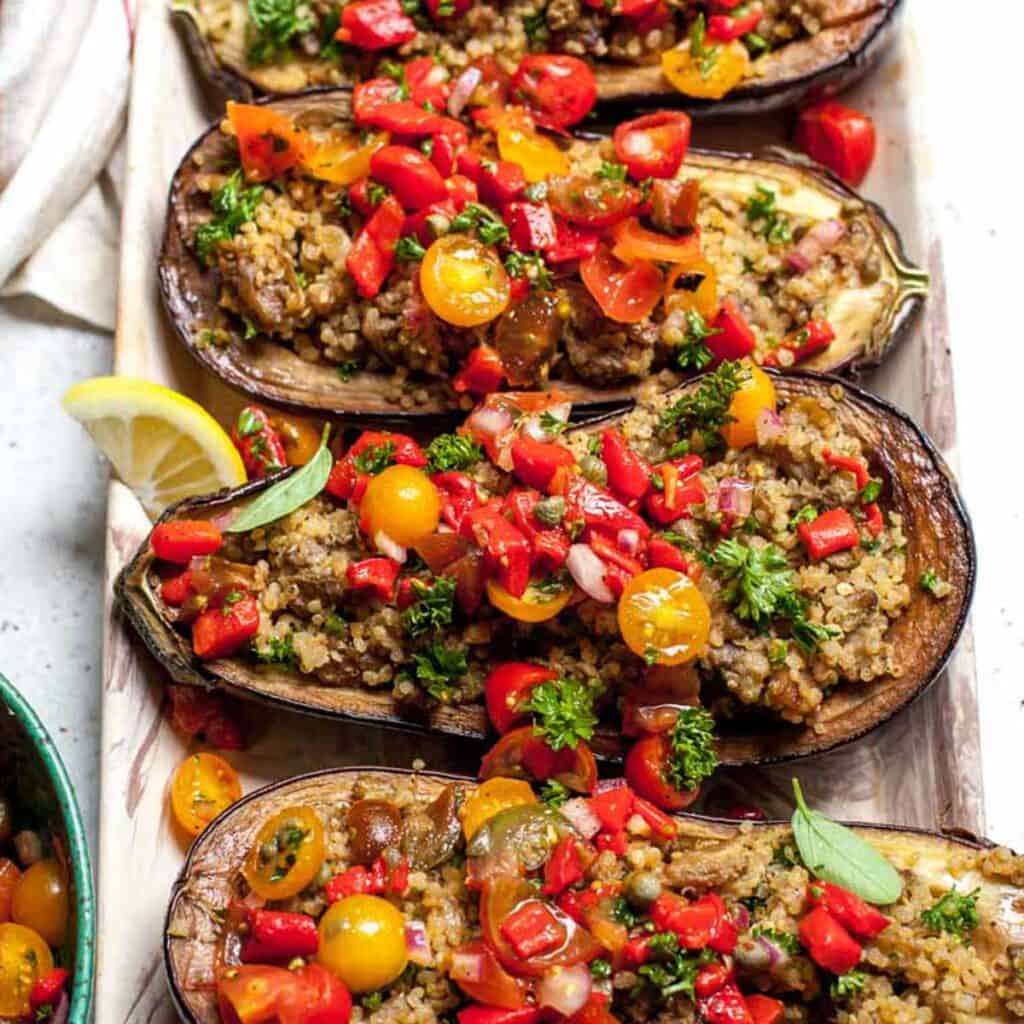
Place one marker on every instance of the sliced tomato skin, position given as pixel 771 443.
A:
pixel 626 293
pixel 522 754
pixel 590 203
pixel 645 772
pixel 558 88
pixel 507 687
pixel 841 138
pixel 655 145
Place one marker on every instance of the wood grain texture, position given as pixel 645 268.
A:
pixel 920 769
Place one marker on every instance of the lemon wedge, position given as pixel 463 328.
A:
pixel 164 446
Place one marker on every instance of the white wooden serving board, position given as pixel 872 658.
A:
pixel 922 769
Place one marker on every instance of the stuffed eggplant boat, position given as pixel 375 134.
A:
pixel 789 552
pixel 377 258
pixel 717 55
pixel 385 896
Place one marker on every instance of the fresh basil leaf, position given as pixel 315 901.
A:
pixel 278 501
pixel 838 855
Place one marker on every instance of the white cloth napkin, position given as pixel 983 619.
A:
pixel 64 74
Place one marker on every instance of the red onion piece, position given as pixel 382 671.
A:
pixel 462 90
pixel 768 426
pixel 736 496
pixel 740 917
pixel 583 819
pixel 386 546
pixel 628 541
pixel 565 989
pixel 588 571
pixel 417 944
pixel 61 1010
pixel 606 785
pixel 819 240
pixel 533 427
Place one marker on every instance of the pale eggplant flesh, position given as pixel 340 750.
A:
pixel 920 487
pixel 209 879
pixel 852 38
pixel 868 319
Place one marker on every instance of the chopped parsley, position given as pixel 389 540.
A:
pixel 706 409
pixel 956 914
pixel 396 72
pixel 433 606
pixel 692 740
pixel 778 653
pixel 372 1002
pixel 449 452
pixel 693 354
pixel 563 711
pixel 408 249
pixel 438 668
pixel 532 267
pixel 870 492
pixel 248 423
pixel 554 793
pixel 765 220
pixel 673 972
pixel 233 205
pixel 699 51
pixel 786 941
pixel 848 984
pixel 375 458
pixel 932 582
pixel 376 193
pixel 611 170
pixel 275 23
pixel 535 25
pixel 551 424
pixel 622 912
pixel 347 369
pixel 330 48
pixel 277 650
pixel 600 970
pixel 756 44
pixel 806 515
pixel 490 228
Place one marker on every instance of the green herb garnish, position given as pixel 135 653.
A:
pixel 433 606
pixel 438 668
pixel 275 650
pixel 554 793
pixel 275 23
pixel 848 984
pixel 692 758
pixel 692 353
pixel 706 408
pixel 563 711
pixel 611 170
pixel 956 914
pixel 765 219
pixel 375 458
pixel 449 452
pixel 233 205
pixel 532 267
pixel 408 249
pixel 490 228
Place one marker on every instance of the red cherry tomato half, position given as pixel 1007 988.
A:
pixel 508 686
pixel 646 773
pixel 475 969
pixel 655 145
pixel 626 292
pixel 561 90
pixel 521 754
pixel 841 138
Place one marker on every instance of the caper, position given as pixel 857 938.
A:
pixel 550 511
pixel 594 469
pixel 751 954
pixel 642 888
pixel 269 851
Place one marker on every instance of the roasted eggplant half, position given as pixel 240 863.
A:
pixel 943 941
pixel 283 291
pixel 824 554
pixel 797 51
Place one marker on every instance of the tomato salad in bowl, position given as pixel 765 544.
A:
pixel 721 55
pixel 386 897
pixel 786 553
pixel 366 253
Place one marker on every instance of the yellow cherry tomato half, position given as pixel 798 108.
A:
pixel 362 942
pixel 300 437
pixel 403 503
pixel 344 160
pixel 464 281
pixel 24 959
pixel 286 855
pixel 539 157
pixel 203 786
pixel 756 393
pixel 490 798
pixel 663 617
pixel 40 901
pixel 716 70
pixel 534 606
pixel 679 295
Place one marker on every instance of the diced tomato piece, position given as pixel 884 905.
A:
pixel 372 255
pixel 828 943
pixel 461 190
pixel 268 143
pixel 375 24
pixel 561 90
pixel 613 807
pixel 47 989
pixel 571 243
pixel 427 82
pixel 532 930
pixel 482 372
pixel 499 181
pixel 537 462
pixel 531 226
pixel 276 936
pixel 219 632
pixel 765 1010
pixel 831 532
pixel 726 1006
pixel 563 868
pixel 726 27
pixel 494 1015
pixel 841 138
pixel 629 475
pixel 734 339
pixel 815 336
pixel 376 574
pixel 181 540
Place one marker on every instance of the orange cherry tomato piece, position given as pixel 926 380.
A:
pixel 268 143
pixel 490 798
pixel 663 617
pixel 706 75
pixel 756 394
pixel 286 855
pixel 41 901
pixel 633 243
pixel 24 959
pixel 626 293
pixel 402 502
pixel 300 437
pixel 203 786
pixel 693 287
pixel 9 875
pixel 533 606
pixel 539 156
pixel 464 281
pixel 345 159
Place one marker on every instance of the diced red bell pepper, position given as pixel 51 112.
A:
pixel 682 488
pixel 494 1015
pixel 374 103
pixel 571 243
pixel 657 820
pixel 663 555
pixel 258 443
pixel 532 930
pixel 854 914
pixel 218 632
pixel 461 190
pixel 550 544
pixel 178 589
pixel 724 28
pixel 711 979
pixel 703 923
pixel 637 951
pixel 415 181
pixel 594 506
pixel 482 372
pixel 617 842
pixel 458 496
pixel 276 936
pixel 613 807
pixel 375 24
pixel 427 82
pixel 499 181
pixel 531 226
pixel 609 553
pixel 372 255
pixel 47 989
pixel 376 880
pixel 726 1006
pixel 848 464
pixel 874 523
pixel 629 475
pixel 828 943
pixel 734 339
pixel 359 197
pixel 831 532
pixel 184 539
pixel 506 550
pixel 537 462
pixel 815 336
pixel 376 574
pixel 563 868
pixel 765 1010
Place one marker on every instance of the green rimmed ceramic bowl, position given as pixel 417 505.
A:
pixel 43 792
